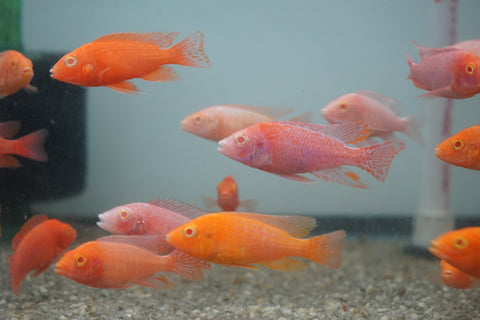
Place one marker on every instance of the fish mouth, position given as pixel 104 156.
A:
pixel 434 249
pixel 59 269
pixel 27 72
pixel 103 224
pixel 438 152
pixel 221 147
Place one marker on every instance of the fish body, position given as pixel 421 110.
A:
pixel 446 72
pixel 113 59
pixel 218 122
pixel 243 239
pixel 456 278
pixel 16 72
pixel 158 217
pixel 29 146
pixel 38 243
pixel 462 149
pixel 227 197
pixel 121 261
pixel 459 248
pixel 383 112
pixel 290 148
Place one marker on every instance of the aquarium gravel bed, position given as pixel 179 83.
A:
pixel 377 280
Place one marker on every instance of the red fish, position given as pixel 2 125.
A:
pixel 455 278
pixel 383 112
pixel 120 261
pixel 462 149
pixel 446 72
pixel 36 245
pixel 460 248
pixel 16 72
pixel 29 146
pixel 291 148
pixel 113 59
pixel 244 239
pixel 227 197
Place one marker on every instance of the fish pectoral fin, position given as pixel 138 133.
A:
pixel 340 176
pixel 125 87
pixel 296 177
pixel 285 264
pixel 30 89
pixel 9 161
pixel 164 73
pixel 157 281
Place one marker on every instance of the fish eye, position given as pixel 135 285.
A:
pixel 68 230
pixel 241 139
pixel 70 61
pixel 198 119
pixel 123 214
pixel 80 260
pixel 14 64
pixel 458 144
pixel 460 242
pixel 342 106
pixel 189 232
pixel 470 68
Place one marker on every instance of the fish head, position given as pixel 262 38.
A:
pixel 76 67
pixel 203 124
pixel 121 220
pixel 195 238
pixel 466 77
pixel 83 264
pixel 454 277
pixel 346 108
pixel 18 69
pixel 461 149
pixel 459 248
pixel 227 192
pixel 248 146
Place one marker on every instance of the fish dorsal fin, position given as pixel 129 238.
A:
pixel 273 113
pixel 9 129
pixel 182 208
pixel 160 39
pixel 296 226
pixel 347 132
pixel 394 104
pixel 26 228
pixel 156 244
pixel 426 52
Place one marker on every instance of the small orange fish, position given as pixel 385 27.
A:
pixel 243 239
pixel 289 149
pixel 458 78
pixel 16 72
pixel 227 197
pixel 120 261
pixel 29 146
pixel 112 59
pixel 36 245
pixel 462 149
pixel 459 248
pixel 455 278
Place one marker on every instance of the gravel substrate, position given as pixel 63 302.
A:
pixel 377 280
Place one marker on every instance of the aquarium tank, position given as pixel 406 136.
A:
pixel 239 160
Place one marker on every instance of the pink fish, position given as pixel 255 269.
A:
pixel 446 72
pixel 291 148
pixel 158 217
pixel 472 46
pixel 383 112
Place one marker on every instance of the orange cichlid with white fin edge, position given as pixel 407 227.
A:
pixel 244 239
pixel 113 59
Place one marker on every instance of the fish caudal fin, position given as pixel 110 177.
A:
pixel 31 146
pixel 187 266
pixel 412 128
pixel 325 249
pixel 190 53
pixel 377 159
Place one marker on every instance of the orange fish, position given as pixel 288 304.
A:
pixel 457 78
pixel 120 261
pixel 462 149
pixel 218 122
pixel 112 59
pixel 36 245
pixel 29 146
pixel 290 148
pixel 455 278
pixel 16 72
pixel 227 197
pixel 460 248
pixel 243 239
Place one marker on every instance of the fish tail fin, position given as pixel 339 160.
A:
pixel 16 277
pixel 31 145
pixel 377 159
pixel 411 63
pixel 187 266
pixel 412 128
pixel 190 53
pixel 325 249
